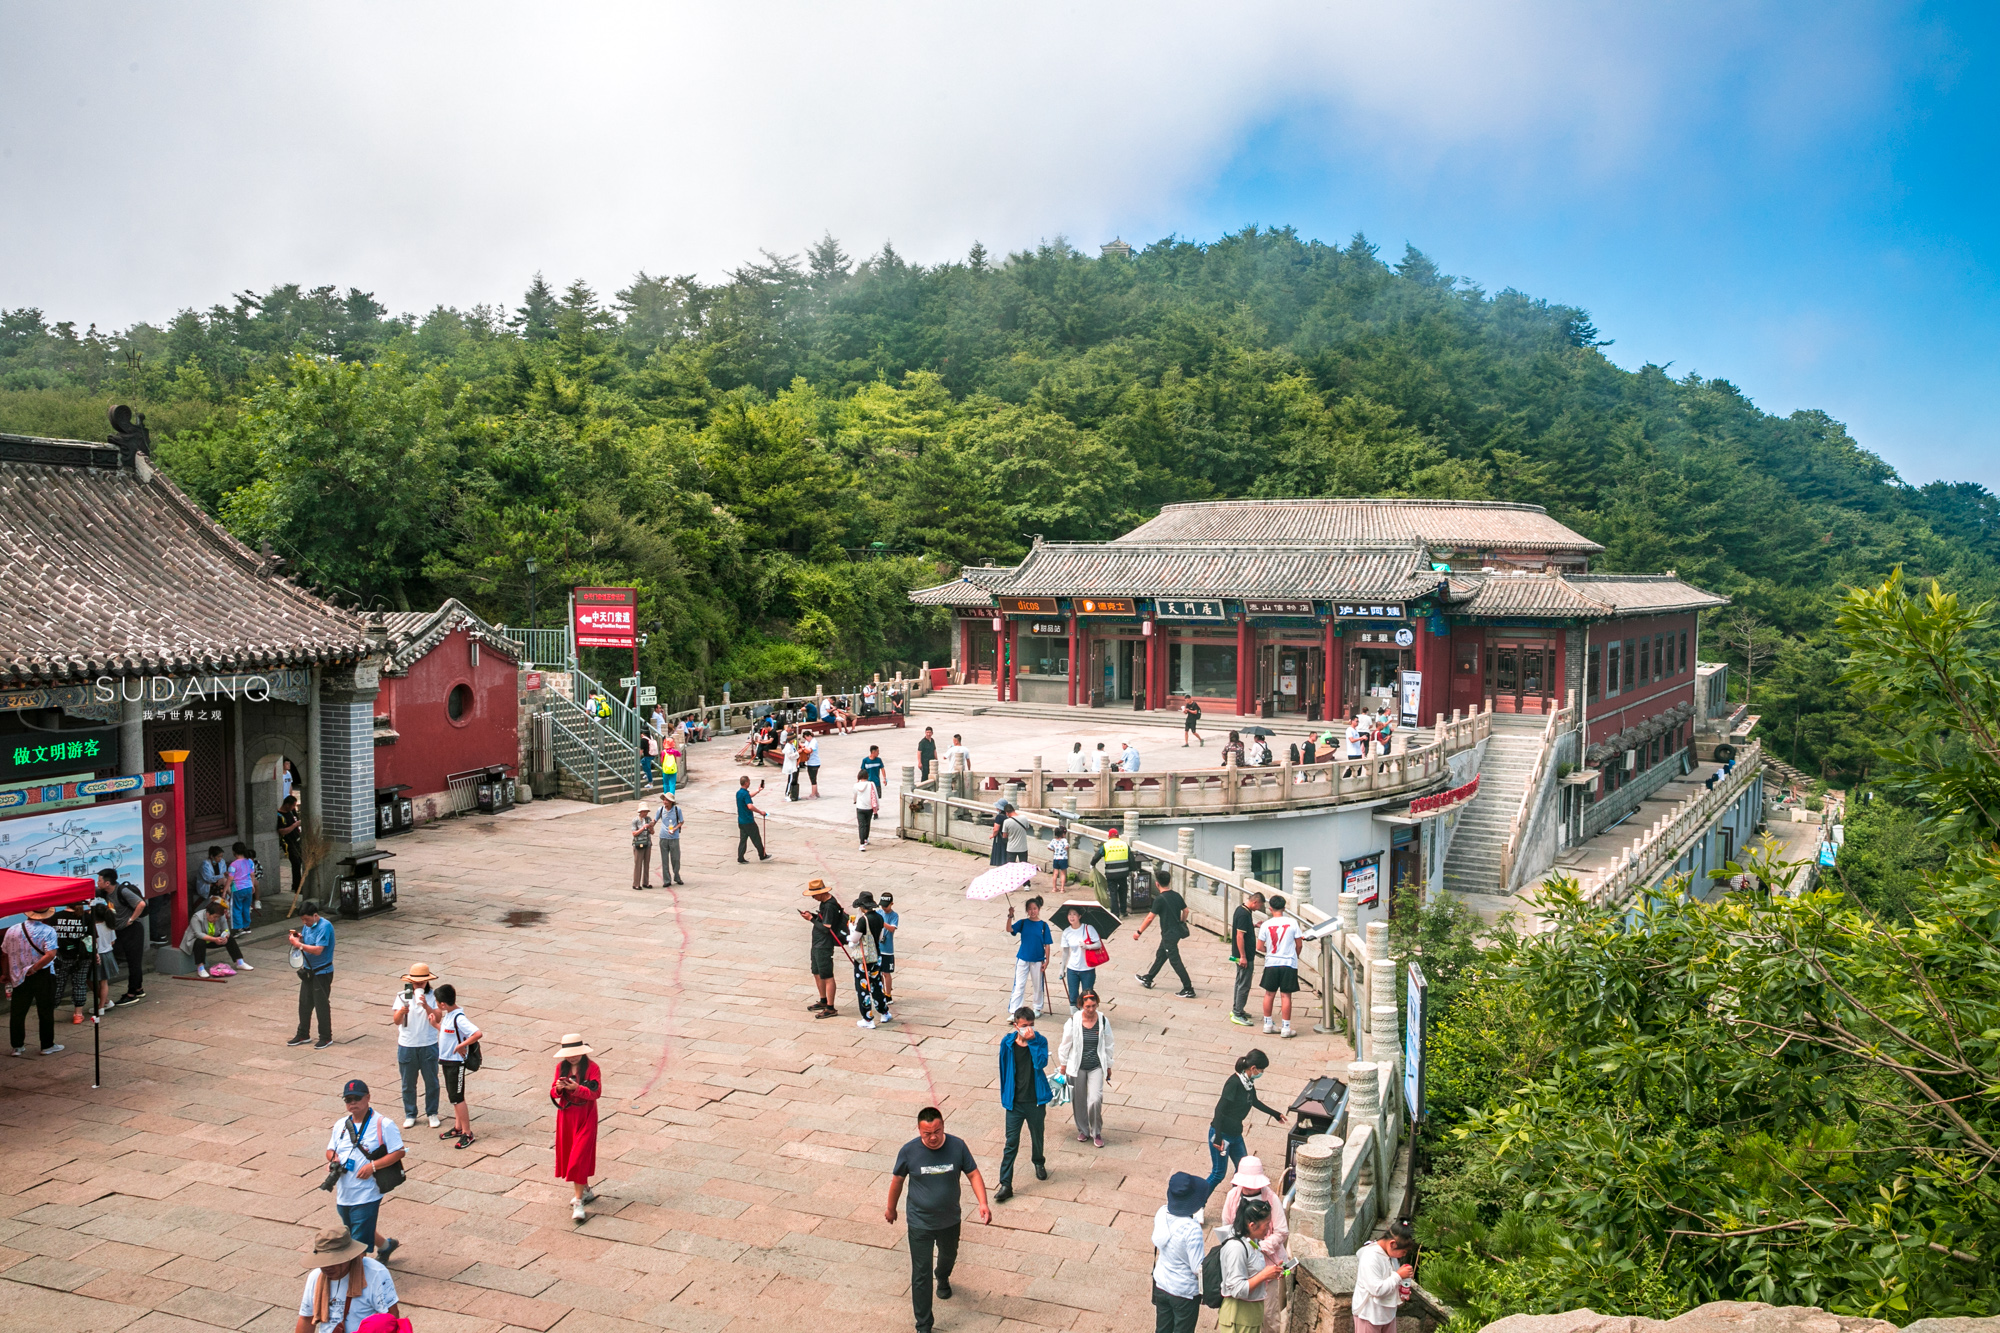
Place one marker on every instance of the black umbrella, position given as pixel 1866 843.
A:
pixel 1258 731
pixel 1094 914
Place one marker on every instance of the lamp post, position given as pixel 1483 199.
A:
pixel 532 567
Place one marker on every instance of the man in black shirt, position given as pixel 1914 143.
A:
pixel 926 756
pixel 1243 943
pixel 1171 910
pixel 829 928
pixel 932 1163
pixel 291 839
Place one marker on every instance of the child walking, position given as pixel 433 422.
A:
pixel 890 920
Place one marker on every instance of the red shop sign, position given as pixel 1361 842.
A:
pixel 605 617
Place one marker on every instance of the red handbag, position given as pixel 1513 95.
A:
pixel 1095 955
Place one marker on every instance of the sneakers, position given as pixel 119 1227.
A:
pixel 201 971
pixel 1097 1140
pixel 888 1017
pixel 245 967
pixel 409 1120
pixel 56 1049
pixel 1240 1020
pixel 434 1122
pixel 1269 1027
pixel 1187 993
pixel 864 1023
pixel 944 1288
pixel 128 999
pixel 1286 1031
pixel 589 1194
pixel 322 1043
pixel 1144 980
pixel 295 1041
pixel 576 1213
pixel 20 1050
pixel 385 1249
pixel 77 1017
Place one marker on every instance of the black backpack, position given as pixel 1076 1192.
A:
pixel 473 1056
pixel 1211 1276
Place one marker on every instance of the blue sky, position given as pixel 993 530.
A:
pixel 1796 197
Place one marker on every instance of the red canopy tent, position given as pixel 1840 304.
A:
pixel 22 892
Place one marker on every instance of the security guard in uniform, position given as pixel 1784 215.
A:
pixel 1116 854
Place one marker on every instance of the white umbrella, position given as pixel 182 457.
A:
pixel 1000 880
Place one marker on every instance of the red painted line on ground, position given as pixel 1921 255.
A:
pixel 673 998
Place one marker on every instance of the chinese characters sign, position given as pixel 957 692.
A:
pixel 605 617
pixel 1102 606
pixel 37 754
pixel 1368 610
pixel 1289 607
pixel 1188 608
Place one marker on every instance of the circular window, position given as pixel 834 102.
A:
pixel 458 704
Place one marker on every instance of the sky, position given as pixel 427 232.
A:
pixel 1798 198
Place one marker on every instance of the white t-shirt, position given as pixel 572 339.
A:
pixel 377 1295
pixel 1097 761
pixel 1076 939
pixel 454 1026
pixel 1078 761
pixel 958 759
pixel 380 1133
pixel 812 753
pixel 415 1029
pixel 1279 935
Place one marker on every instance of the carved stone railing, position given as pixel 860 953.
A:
pixel 1662 843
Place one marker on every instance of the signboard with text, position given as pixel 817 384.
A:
pixel 1103 606
pixel 1028 606
pixel 1414 1034
pixel 1368 610
pixel 25 755
pixel 1285 607
pixel 1048 627
pixel 1188 608
pixel 1413 694
pixel 1362 877
pixel 605 617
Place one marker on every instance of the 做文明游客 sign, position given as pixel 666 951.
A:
pixel 26 755
pixel 1188 608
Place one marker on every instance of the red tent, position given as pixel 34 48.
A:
pixel 22 892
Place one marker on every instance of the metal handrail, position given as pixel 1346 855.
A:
pixel 606 747
pixel 548 648
pixel 580 754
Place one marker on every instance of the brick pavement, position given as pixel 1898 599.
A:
pixel 745 1146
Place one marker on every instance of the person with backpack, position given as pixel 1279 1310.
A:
pixel 1177 1245
pixel 864 950
pixel 458 1055
pixel 1244 1272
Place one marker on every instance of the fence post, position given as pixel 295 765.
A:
pixel 1364 1107
pixel 1038 791
pixel 1239 861
pixel 1312 1205
pixel 1184 843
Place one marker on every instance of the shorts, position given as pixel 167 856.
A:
pixel 822 962
pixel 359 1219
pixel 454 1080
pixel 888 963
pixel 1190 723
pixel 1284 979
pixel 1060 865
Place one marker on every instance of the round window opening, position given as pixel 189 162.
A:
pixel 458 704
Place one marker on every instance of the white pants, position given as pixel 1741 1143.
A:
pixel 1030 987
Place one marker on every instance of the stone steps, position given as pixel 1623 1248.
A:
pixel 1473 863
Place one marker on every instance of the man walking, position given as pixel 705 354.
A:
pixel 1024 1091
pixel 314 939
pixel 829 926
pixel 1031 959
pixel 1243 946
pixel 932 1163
pixel 128 907
pixel 746 822
pixel 1116 854
pixel 1177 1243
pixel 361 1144
pixel 871 768
pixel 31 955
pixel 1191 723
pixel 1016 833
pixel 926 756
pixel 416 1016
pixel 1171 910
pixel 667 826
pixel 1278 937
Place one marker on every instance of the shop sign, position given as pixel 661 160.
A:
pixel 165 694
pixel 1405 637
pixel 605 617
pixel 1362 877
pixel 1413 693
pixel 1293 607
pixel 1047 627
pixel 1029 606
pixel 1103 606
pixel 1188 608
pixel 39 754
pixel 1368 611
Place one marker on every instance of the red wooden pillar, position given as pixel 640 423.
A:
pixel 1329 707
pixel 1245 669
pixel 1075 661
pixel 1003 657
pixel 1152 662
pixel 964 652
pixel 1436 667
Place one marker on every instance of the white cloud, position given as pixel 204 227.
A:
pixel 442 153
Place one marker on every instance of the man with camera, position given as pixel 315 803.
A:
pixel 415 1014
pixel 363 1146
pixel 312 958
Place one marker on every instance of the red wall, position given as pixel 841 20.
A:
pixel 1611 715
pixel 430 745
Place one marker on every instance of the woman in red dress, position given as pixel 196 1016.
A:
pixel 578 1084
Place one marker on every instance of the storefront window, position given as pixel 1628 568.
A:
pixel 1611 670
pixel 1590 674
pixel 1207 670
pixel 1044 656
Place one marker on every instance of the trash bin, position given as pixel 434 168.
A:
pixel 393 810
pixel 364 887
pixel 500 786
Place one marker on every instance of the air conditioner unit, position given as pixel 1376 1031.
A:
pixel 1631 760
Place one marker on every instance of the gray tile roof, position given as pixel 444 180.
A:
pixel 107 574
pixel 1644 594
pixel 1460 524
pixel 972 587
pixel 414 633
pixel 1504 593
pixel 1204 570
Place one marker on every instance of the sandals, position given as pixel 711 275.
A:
pixel 464 1140
pixel 450 1134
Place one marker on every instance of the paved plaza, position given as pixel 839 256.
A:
pixel 745 1146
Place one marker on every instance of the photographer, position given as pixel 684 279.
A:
pixel 362 1143
pixel 415 1014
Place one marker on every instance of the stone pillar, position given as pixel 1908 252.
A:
pixel 1381 971
pixel 1310 1216
pixel 346 764
pixel 1350 913
pixel 132 734
pixel 1364 1107
pixel 1302 887
pixel 1240 859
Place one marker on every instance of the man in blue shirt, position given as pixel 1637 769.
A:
pixel 1024 1091
pixel 30 946
pixel 746 822
pixel 314 939
pixel 872 766
pixel 1031 959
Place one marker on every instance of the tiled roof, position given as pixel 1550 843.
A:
pixel 1203 570
pixel 1458 524
pixel 1593 596
pixel 414 633
pixel 1644 594
pixel 972 587
pixel 107 573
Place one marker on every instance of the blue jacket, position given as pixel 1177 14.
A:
pixel 1038 1056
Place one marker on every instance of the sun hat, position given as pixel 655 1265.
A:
pixel 421 972
pixel 1185 1194
pixel 572 1044
pixel 331 1246
pixel 41 914
pixel 816 888
pixel 354 1087
pixel 864 899
pixel 1250 1175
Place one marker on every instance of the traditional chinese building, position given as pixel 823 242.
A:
pixel 449 707
pixel 132 624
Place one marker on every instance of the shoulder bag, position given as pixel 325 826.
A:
pixel 1094 952
pixel 386 1178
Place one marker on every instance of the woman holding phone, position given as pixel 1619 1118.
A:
pixel 578 1084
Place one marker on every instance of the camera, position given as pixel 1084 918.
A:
pixel 334 1171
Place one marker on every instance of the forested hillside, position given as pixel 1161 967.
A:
pixel 776 458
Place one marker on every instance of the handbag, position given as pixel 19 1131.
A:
pixel 298 961
pixel 1095 954
pixel 387 1177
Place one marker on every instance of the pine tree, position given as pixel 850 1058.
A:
pixel 828 262
pixel 535 318
pixel 976 260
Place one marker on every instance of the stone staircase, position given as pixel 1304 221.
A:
pixel 1472 865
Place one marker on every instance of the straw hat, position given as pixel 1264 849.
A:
pixel 331 1247
pixel 421 972
pixel 573 1045
pixel 41 914
pixel 1250 1175
pixel 816 888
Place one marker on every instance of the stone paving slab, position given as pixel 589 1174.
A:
pixel 745 1147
